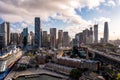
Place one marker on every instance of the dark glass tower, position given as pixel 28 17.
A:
pixel 106 32
pixel 95 33
pixel 37 32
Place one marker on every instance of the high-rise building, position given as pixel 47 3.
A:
pixel 5 32
pixel 60 35
pixel 48 40
pixel 81 38
pixel 2 38
pixel 25 32
pixel 8 32
pixel 38 32
pixel 65 39
pixel 84 36
pixel 77 38
pixel 95 33
pixel 74 42
pixel 53 37
pixel 106 32
pixel 90 39
pixel 31 38
pixel 20 38
pixel 45 39
pixel 14 38
pixel 25 36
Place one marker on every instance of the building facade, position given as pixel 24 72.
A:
pixel 31 38
pixel 106 32
pixel 14 38
pixel 37 32
pixel 52 37
pixel 65 39
pixel 5 32
pixel 44 39
pixel 95 34
pixel 60 36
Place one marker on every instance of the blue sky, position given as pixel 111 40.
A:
pixel 70 15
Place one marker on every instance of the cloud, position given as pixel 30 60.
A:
pixel 111 3
pixel 92 3
pixel 28 9
pixel 101 20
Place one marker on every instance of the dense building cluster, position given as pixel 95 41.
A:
pixel 38 39
pixel 88 36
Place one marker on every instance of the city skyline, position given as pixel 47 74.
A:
pixel 72 16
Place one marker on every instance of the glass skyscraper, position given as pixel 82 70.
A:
pixel 37 32
pixel 106 32
pixel 95 33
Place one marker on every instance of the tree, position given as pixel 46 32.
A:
pixel 75 73
pixel 75 50
pixel 118 76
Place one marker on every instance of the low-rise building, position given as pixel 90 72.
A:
pixel 58 68
pixel 78 63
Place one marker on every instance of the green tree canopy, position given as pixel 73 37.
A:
pixel 118 76
pixel 75 73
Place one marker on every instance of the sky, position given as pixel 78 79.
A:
pixel 70 15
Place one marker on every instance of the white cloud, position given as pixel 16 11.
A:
pixel 26 10
pixel 24 25
pixel 101 20
pixel 111 3
pixel 15 30
pixel 92 3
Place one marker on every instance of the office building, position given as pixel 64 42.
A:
pixel 45 39
pixel 48 40
pixel 65 39
pixel 25 36
pixel 95 33
pixel 20 38
pixel 14 38
pixel 106 32
pixel 90 36
pixel 2 39
pixel 31 38
pixel 53 37
pixel 38 32
pixel 74 42
pixel 5 33
pixel 60 35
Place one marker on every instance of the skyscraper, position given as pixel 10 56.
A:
pixel 14 38
pixel 95 33
pixel 45 39
pixel 5 32
pixel 91 36
pixel 31 38
pixel 37 32
pixel 60 35
pixel 25 36
pixel 53 37
pixel 65 39
pixel 8 32
pixel 106 32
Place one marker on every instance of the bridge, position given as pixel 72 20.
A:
pixel 106 57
